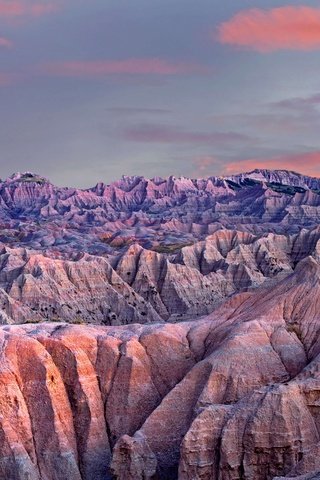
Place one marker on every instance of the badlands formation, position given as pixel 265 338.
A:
pixel 160 329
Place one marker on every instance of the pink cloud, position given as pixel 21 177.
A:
pixel 21 8
pixel 205 166
pixel 132 66
pixel 203 163
pixel 138 68
pixel 5 42
pixel 283 28
pixel 308 163
pixel 167 134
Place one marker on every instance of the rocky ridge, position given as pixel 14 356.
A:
pixel 157 213
pixel 143 250
pixel 141 285
pixel 232 396
pixel 229 393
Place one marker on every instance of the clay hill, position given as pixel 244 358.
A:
pixel 160 329
pixel 143 250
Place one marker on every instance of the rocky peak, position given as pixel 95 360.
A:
pixel 27 177
pixel 283 177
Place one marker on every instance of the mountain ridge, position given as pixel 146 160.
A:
pixel 164 250
pixel 164 330
pixel 265 173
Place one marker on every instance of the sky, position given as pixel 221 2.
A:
pixel 93 90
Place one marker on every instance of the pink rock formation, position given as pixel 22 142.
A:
pixel 230 393
pixel 144 250
pixel 140 285
pixel 231 396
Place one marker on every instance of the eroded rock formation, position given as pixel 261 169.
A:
pixel 143 250
pixel 232 392
pixel 231 396
pixel 140 285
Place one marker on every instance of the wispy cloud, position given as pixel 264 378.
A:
pixel 288 27
pixel 299 103
pixel 206 165
pixel 130 66
pixel 22 8
pixel 165 134
pixel 5 43
pixel 125 111
pixel 298 116
pixel 308 163
pixel 126 69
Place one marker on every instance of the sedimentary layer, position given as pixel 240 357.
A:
pixel 234 395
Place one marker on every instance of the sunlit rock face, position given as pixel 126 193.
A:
pixel 234 395
pixel 142 250
pixel 198 353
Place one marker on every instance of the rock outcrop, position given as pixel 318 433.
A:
pixel 140 285
pixel 143 250
pixel 161 214
pixel 101 379
pixel 234 395
pixel 148 250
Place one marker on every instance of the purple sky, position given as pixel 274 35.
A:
pixel 93 90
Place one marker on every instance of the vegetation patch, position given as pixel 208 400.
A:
pixel 171 248
pixel 286 189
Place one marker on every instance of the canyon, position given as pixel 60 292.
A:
pixel 160 329
pixel 148 250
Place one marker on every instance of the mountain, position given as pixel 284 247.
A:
pixel 163 329
pixel 153 212
pixel 143 250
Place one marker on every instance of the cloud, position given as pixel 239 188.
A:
pixel 125 111
pixel 283 28
pixel 299 103
pixel 5 43
pixel 23 8
pixel 205 162
pixel 165 134
pixel 131 66
pixel 205 166
pixel 307 163
pixel 298 116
